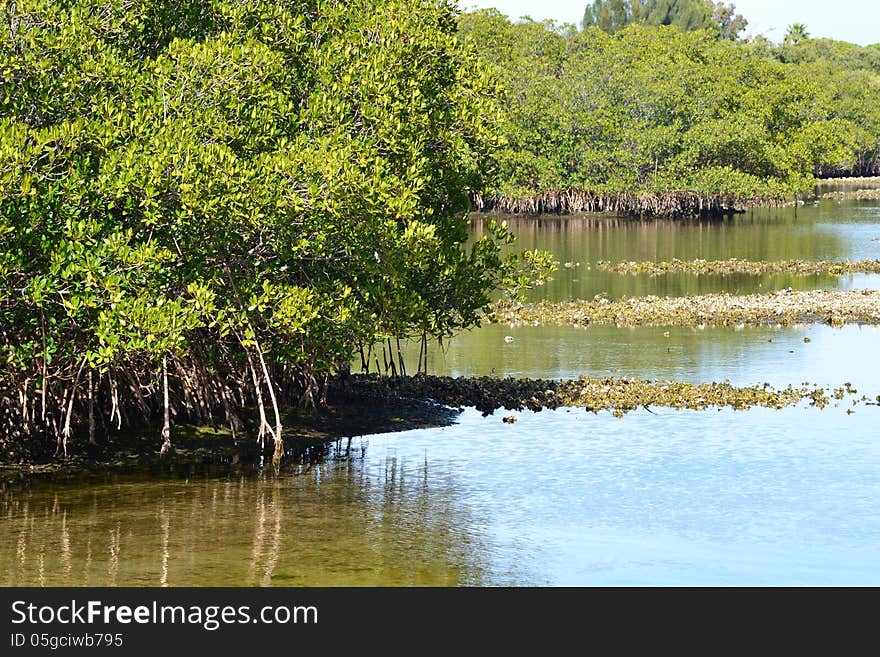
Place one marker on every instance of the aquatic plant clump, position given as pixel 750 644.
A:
pixel 618 395
pixel 737 266
pixel 784 307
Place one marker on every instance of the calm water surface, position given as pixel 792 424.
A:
pixel 561 497
pixel 829 230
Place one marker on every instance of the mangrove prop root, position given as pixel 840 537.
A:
pixel 568 201
pixel 166 424
pixel 81 400
pixel 785 307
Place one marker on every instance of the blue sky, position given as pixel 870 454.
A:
pixel 857 21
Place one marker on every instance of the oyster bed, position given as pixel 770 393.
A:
pixel 737 266
pixel 785 307
pixel 854 195
pixel 618 395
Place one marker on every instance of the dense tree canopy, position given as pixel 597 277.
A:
pixel 850 74
pixel 205 205
pixel 657 109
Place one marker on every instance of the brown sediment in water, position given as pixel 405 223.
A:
pixel 569 201
pixel 785 307
pixel 617 395
pixel 737 266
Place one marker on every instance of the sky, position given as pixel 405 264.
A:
pixel 857 21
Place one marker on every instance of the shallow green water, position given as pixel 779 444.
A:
pixel 828 230
pixel 562 497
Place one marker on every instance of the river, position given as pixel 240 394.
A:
pixel 560 497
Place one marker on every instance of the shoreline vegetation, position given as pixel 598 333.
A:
pixel 206 209
pixel 848 180
pixel 783 308
pixel 664 204
pixel 655 113
pixel 660 204
pixel 308 435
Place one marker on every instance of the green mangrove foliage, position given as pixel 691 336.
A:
pixel 737 266
pixel 206 206
pixel 657 120
pixel 785 307
pixel 852 74
pixel 618 395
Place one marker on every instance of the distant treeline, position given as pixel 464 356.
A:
pixel 648 118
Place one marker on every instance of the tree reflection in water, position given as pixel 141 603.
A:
pixel 329 519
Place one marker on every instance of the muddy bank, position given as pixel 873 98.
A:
pixel 785 307
pixel 736 266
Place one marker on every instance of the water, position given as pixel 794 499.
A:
pixel 829 230
pixel 744 356
pixel 559 497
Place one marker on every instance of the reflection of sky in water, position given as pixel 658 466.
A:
pixel 756 497
pixel 730 497
pixel 860 281
pixel 746 356
pixel 559 497
pixel 859 230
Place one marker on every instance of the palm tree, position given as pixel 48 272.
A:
pixel 796 32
